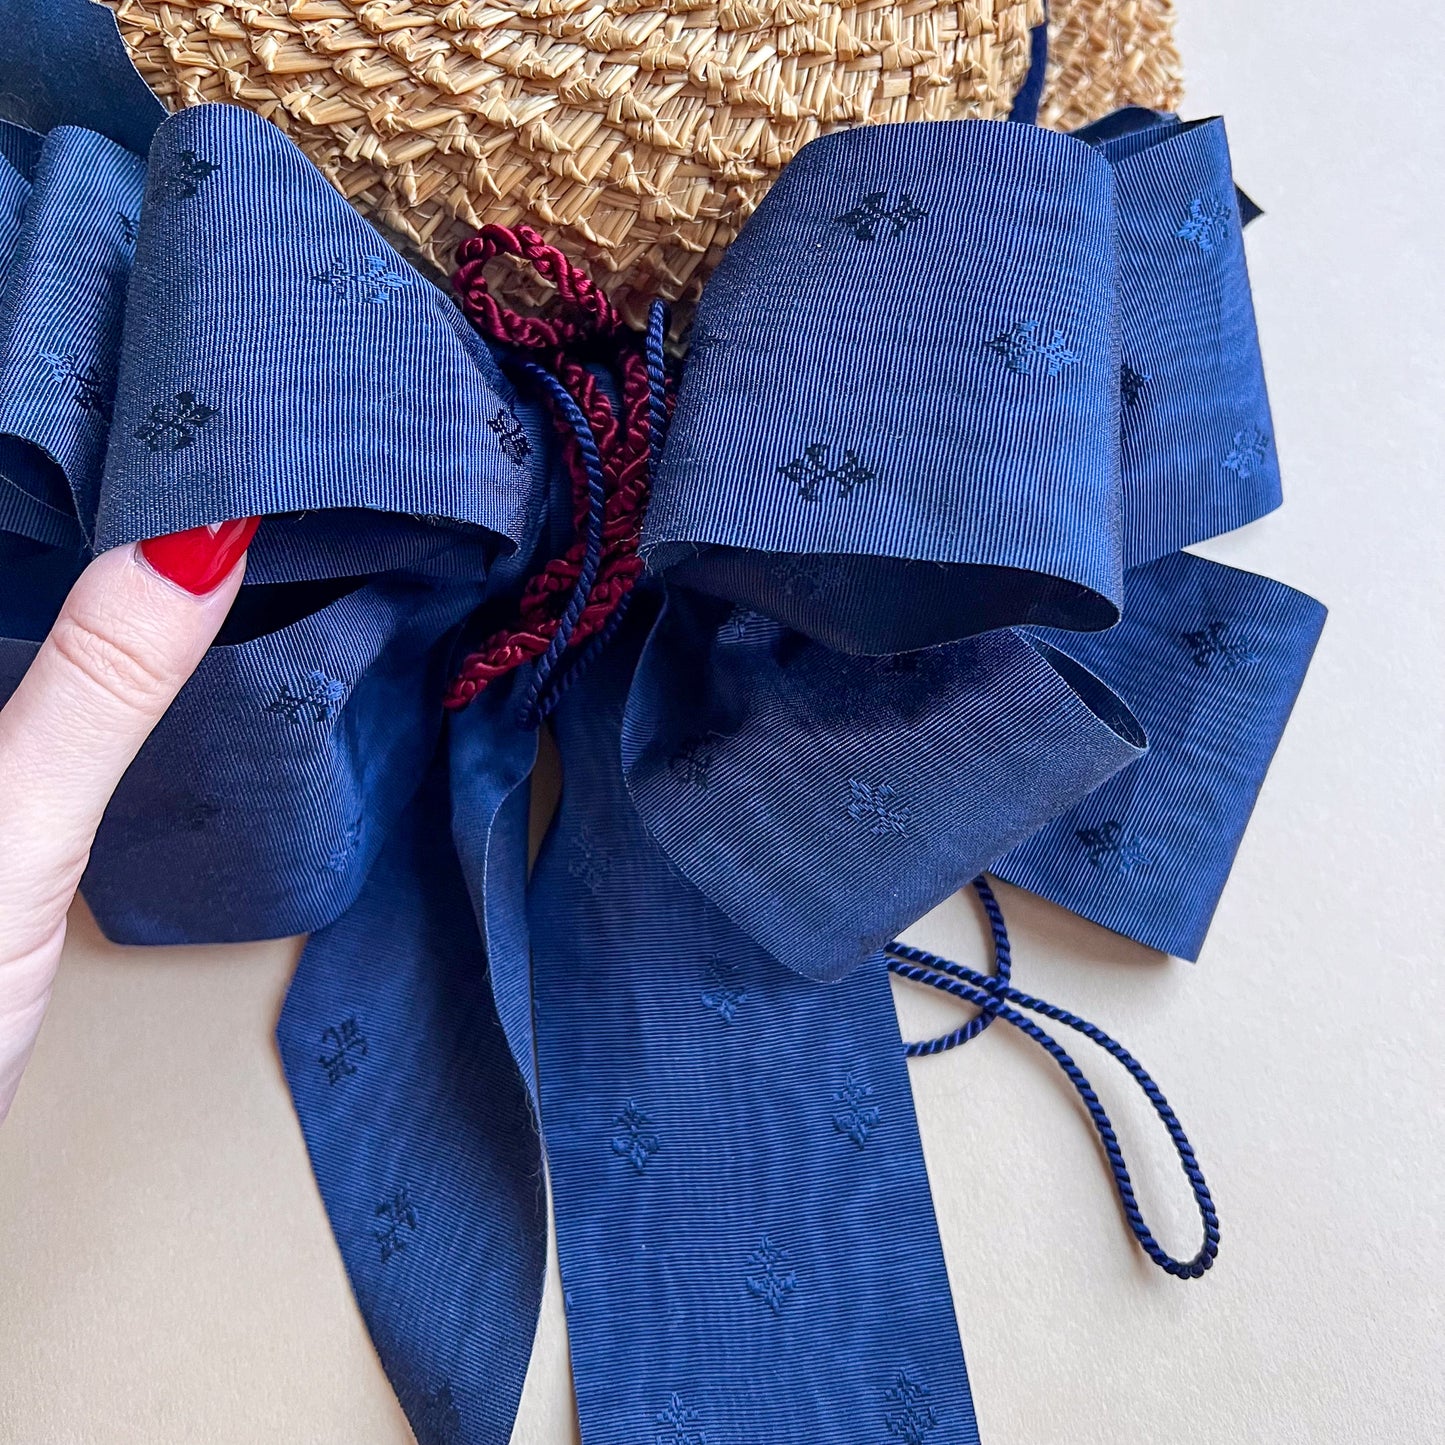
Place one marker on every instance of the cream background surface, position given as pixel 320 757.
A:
pixel 167 1276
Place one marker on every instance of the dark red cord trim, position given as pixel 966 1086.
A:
pixel 560 344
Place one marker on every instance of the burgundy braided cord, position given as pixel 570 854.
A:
pixel 559 344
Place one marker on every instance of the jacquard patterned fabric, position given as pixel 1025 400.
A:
pixel 1213 658
pixel 916 608
pixel 61 303
pixel 978 515
pixel 721 1253
pixel 1025 474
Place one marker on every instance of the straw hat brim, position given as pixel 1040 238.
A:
pixel 637 135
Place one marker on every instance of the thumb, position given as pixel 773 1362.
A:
pixel 126 640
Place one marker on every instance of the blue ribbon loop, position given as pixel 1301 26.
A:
pixel 956 399
pixel 937 364
pixel 824 802
pixel 249 265
pixel 62 300
pixel 1211 659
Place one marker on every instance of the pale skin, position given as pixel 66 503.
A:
pixel 124 643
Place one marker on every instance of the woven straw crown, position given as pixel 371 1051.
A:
pixel 636 135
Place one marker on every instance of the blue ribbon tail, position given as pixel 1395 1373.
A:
pixel 492 756
pixel 421 1135
pixel 735 1162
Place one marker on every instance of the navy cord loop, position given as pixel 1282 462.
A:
pixel 993 995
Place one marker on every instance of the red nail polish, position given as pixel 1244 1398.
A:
pixel 201 558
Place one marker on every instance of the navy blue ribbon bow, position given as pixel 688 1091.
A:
pixel 917 608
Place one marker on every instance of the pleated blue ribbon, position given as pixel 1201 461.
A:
pixel 917 608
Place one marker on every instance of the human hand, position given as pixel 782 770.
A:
pixel 133 629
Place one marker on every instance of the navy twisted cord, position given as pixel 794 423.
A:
pixel 657 317
pixel 993 997
pixel 1003 971
pixel 533 707
pixel 542 705
pixel 577 669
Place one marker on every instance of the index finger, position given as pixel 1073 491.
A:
pixel 124 643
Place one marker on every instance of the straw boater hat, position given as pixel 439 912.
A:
pixel 636 135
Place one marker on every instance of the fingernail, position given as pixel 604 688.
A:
pixel 201 558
